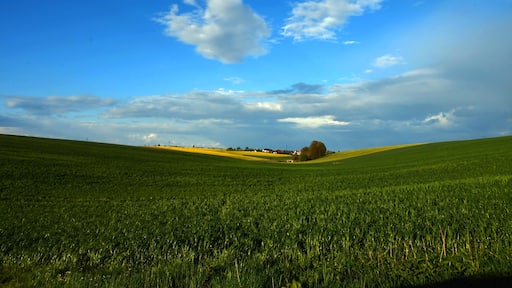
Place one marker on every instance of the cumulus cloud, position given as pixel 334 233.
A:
pixel 150 137
pixel 190 2
pixel 226 30
pixel 321 19
pixel 441 119
pixel 314 121
pixel 350 42
pixel 57 104
pixel 388 60
pixel 269 106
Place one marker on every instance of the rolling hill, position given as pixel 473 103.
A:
pixel 84 214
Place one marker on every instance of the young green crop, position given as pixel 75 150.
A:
pixel 85 214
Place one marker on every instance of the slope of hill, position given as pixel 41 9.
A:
pixel 263 156
pixel 244 155
pixel 357 153
pixel 92 214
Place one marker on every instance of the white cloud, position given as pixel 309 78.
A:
pixel 442 119
pixel 388 60
pixel 190 2
pixel 150 137
pixel 314 121
pixel 321 19
pixel 350 42
pixel 226 30
pixel 269 106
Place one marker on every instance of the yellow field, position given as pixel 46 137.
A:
pixel 356 153
pixel 245 155
pixel 262 156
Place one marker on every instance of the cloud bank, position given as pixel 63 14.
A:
pixel 416 106
pixel 56 104
pixel 388 60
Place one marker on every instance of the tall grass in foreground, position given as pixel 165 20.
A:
pixel 85 214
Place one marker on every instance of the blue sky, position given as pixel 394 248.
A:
pixel 260 73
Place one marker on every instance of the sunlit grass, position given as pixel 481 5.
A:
pixel 80 214
pixel 338 156
pixel 263 156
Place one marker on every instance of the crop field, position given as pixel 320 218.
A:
pixel 357 153
pixel 82 214
pixel 263 156
pixel 243 155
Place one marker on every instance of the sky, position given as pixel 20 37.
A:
pixel 256 73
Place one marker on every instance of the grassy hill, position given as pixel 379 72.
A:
pixel 85 214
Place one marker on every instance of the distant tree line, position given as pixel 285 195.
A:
pixel 240 149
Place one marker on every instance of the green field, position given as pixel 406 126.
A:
pixel 88 214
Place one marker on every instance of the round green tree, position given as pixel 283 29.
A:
pixel 316 150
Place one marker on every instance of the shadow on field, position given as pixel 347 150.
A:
pixel 472 282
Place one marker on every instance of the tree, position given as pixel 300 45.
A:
pixel 304 154
pixel 316 150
